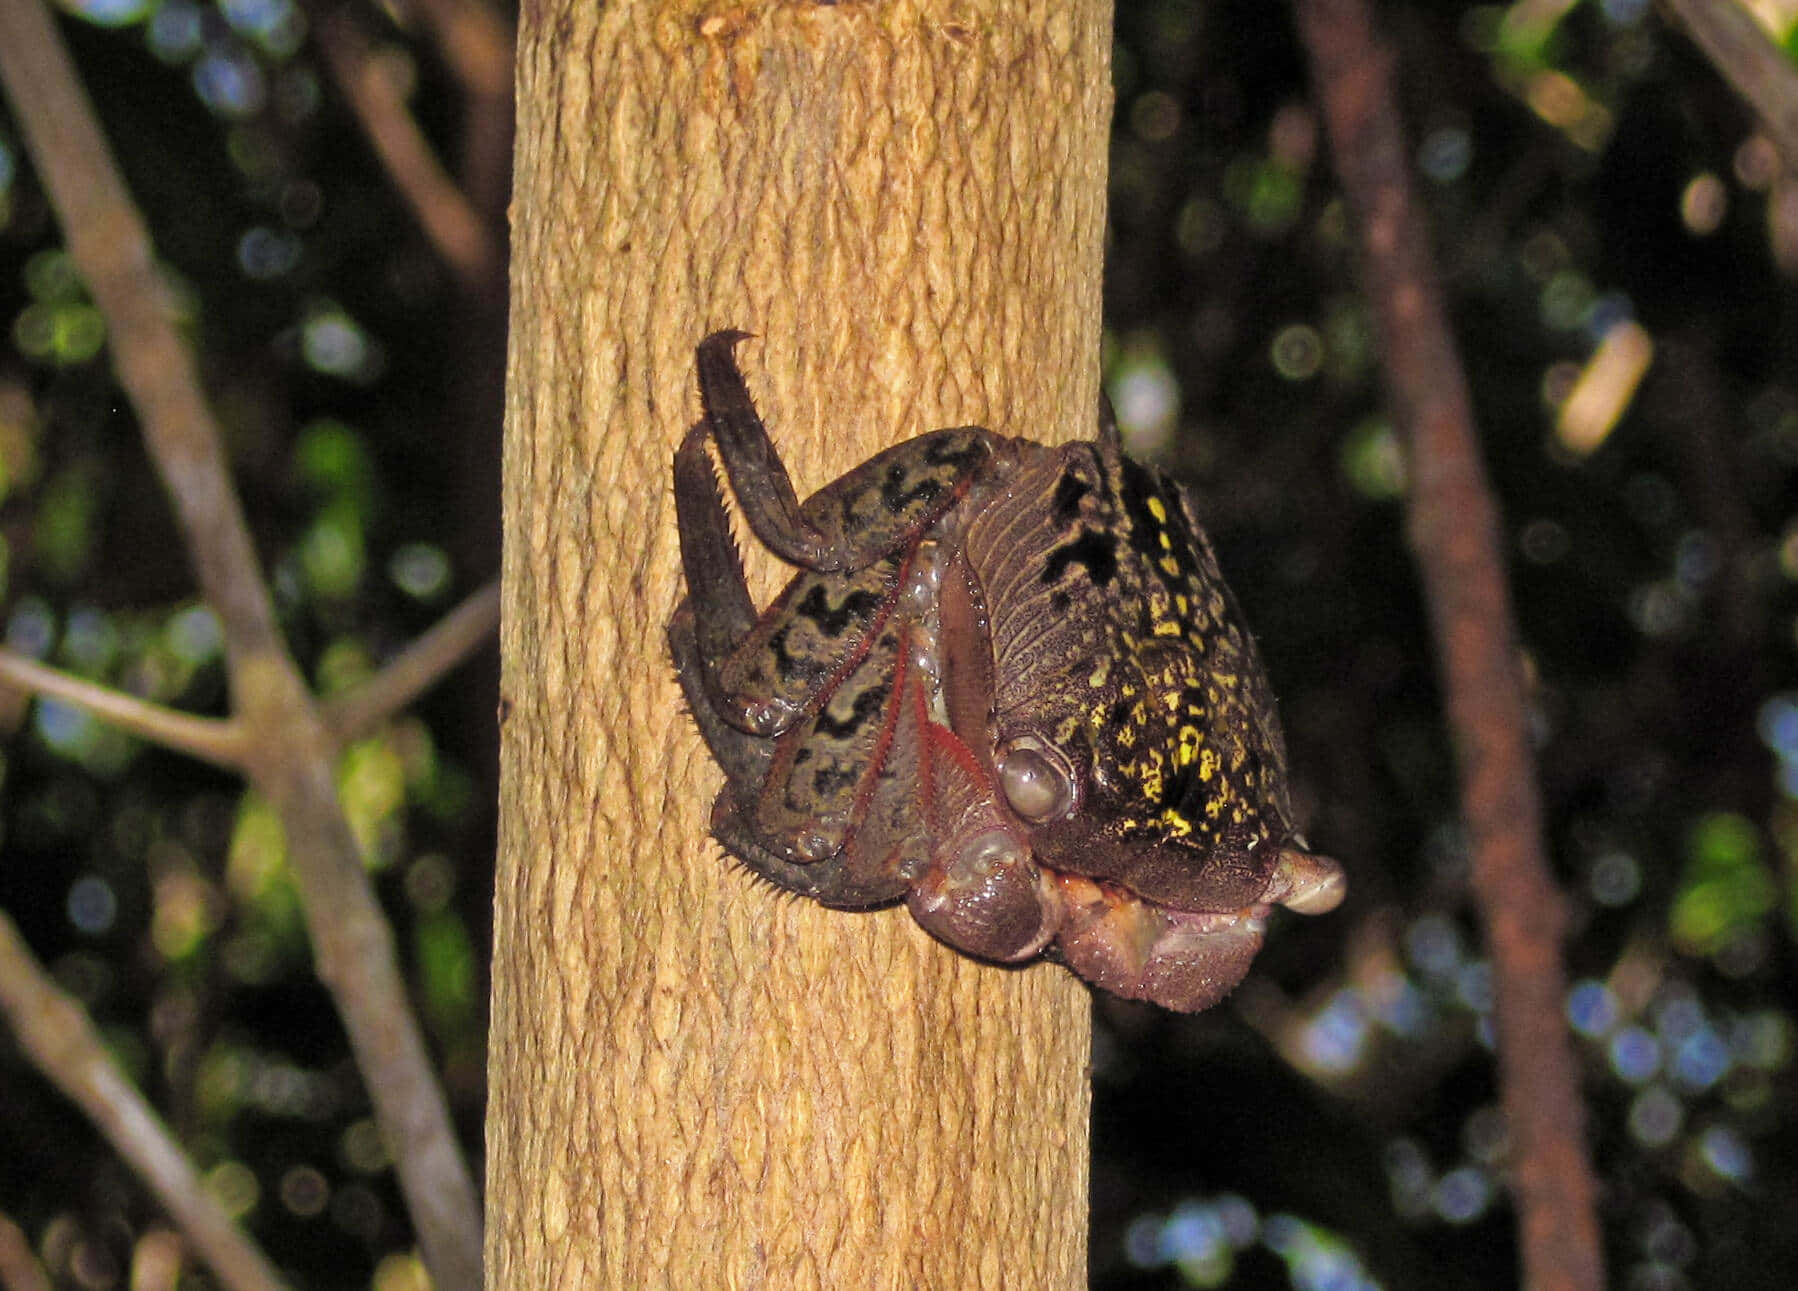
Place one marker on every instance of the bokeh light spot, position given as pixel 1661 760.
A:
pixel 233 1185
pixel 1409 1176
pixel 1434 945
pixel 1334 1039
pixel 92 906
pixel 1701 1060
pixel 109 13
pixel 1543 541
pixel 176 31
pixel 1473 986
pixel 1725 1152
pixel 264 253
pixel 400 1271
pixel 1655 1117
pixel 1462 1195
pixel 229 81
pixel 304 1191
pixel 362 1147
pixel 193 635
pixel 1155 116
pixel 332 343
pixel 1703 204
pixel 1445 154
pixel 1146 398
pixel 1615 879
pixel 1635 1054
pixel 420 569
pixel 1297 352
pixel 1592 1008
pixel 1373 461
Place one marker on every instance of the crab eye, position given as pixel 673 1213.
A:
pixel 1036 787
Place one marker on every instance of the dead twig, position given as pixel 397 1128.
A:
pixel 220 741
pixel 1747 57
pixel 288 752
pixel 19 1266
pixel 416 668
pixel 56 1032
pixel 210 739
pixel 1455 533
pixel 476 43
pixel 443 212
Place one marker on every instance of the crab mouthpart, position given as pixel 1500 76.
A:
pixel 1181 960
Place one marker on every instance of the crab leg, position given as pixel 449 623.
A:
pixel 757 475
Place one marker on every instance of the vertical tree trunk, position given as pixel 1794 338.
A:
pixel 694 1082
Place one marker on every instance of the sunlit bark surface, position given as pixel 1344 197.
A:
pixel 696 1083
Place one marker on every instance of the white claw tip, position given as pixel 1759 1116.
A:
pixel 1309 884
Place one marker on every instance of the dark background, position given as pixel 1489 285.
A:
pixel 1589 179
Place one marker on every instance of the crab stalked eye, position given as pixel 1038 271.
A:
pixel 1035 785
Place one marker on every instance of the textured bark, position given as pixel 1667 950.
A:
pixel 696 1083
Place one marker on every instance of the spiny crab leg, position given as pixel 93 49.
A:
pixel 756 471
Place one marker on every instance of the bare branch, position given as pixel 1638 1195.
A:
pixel 1747 57
pixel 287 751
pixel 207 738
pixel 19 1267
pixel 60 1039
pixel 1455 533
pixel 444 214
pixel 417 668
pixel 476 42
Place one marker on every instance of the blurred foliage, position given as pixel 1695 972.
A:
pixel 1618 244
pixel 156 889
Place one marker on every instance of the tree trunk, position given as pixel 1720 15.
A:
pixel 694 1082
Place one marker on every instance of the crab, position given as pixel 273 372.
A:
pixel 1007 686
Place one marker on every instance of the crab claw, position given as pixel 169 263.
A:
pixel 1306 883
pixel 982 892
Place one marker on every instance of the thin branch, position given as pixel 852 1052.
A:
pixel 444 214
pixel 19 1267
pixel 416 668
pixel 288 753
pixel 1740 48
pixel 476 42
pixel 1455 534
pixel 210 739
pixel 60 1039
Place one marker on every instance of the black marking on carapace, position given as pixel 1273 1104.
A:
pixel 1097 551
pixel 1174 787
pixel 828 782
pixel 899 500
pixel 867 704
pixel 785 665
pixel 1138 486
pixel 833 619
pixel 971 453
pixel 1064 507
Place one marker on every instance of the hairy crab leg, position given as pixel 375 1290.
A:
pixel 887 502
pixel 757 475
pixel 724 614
